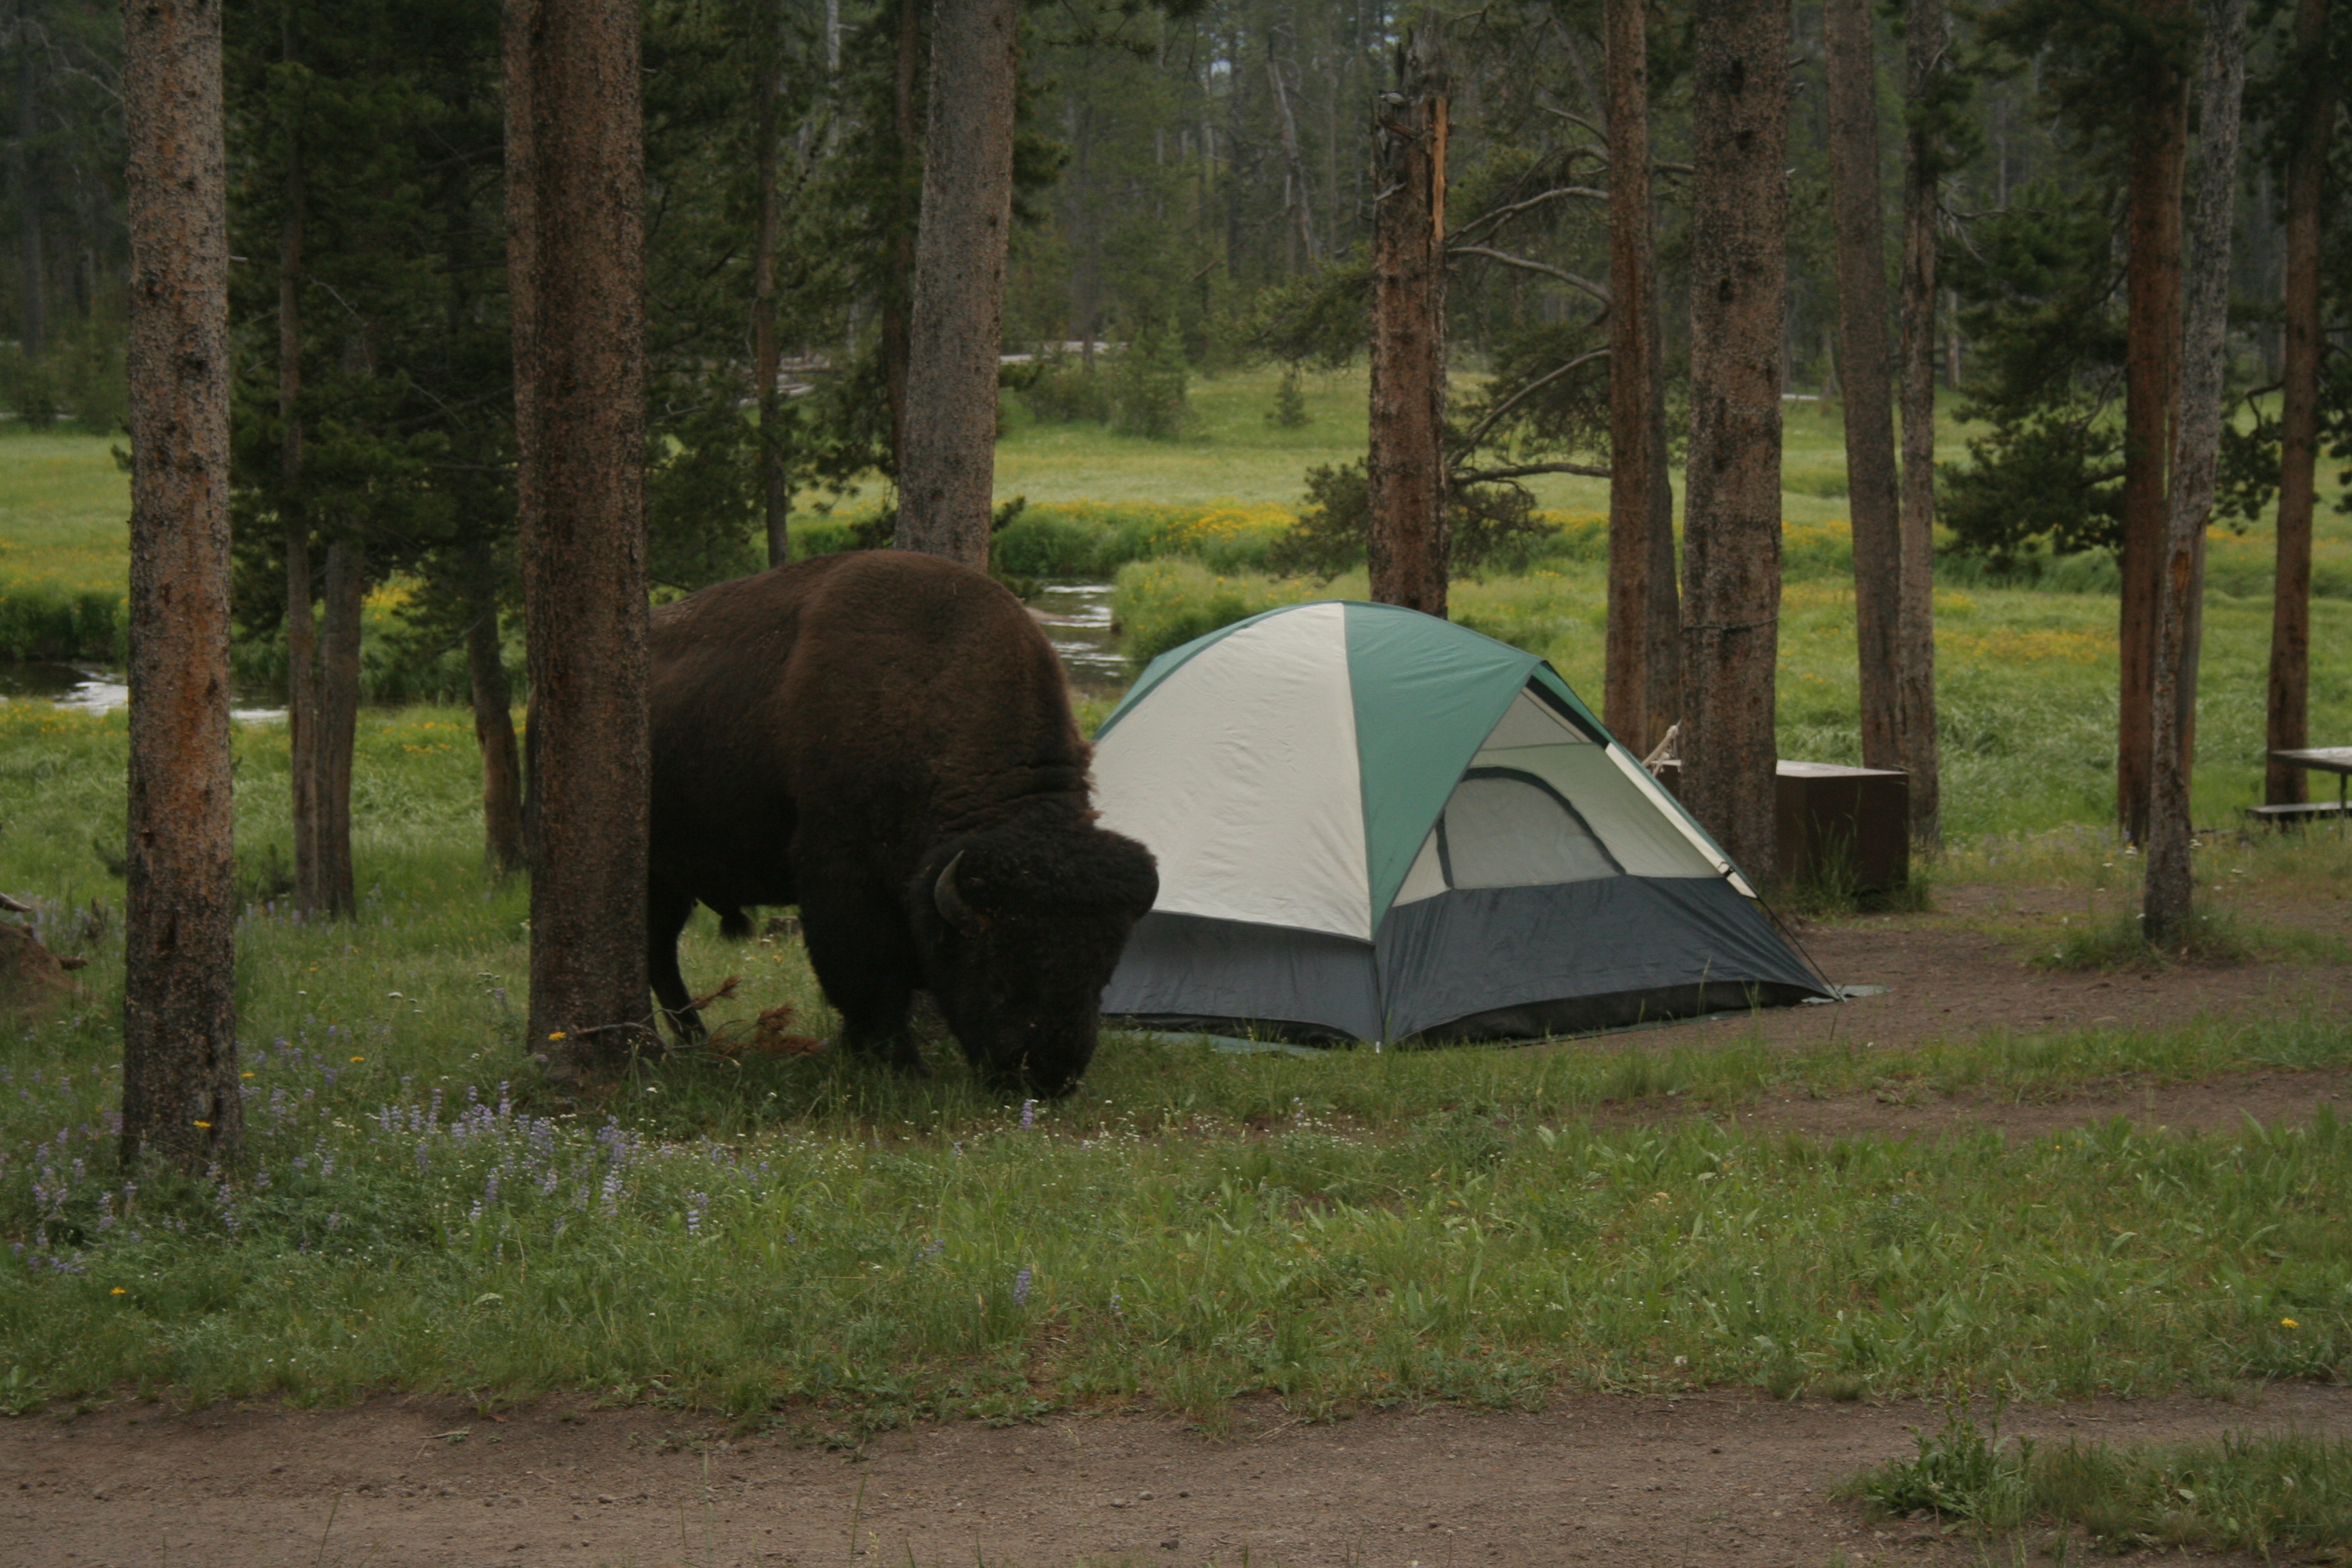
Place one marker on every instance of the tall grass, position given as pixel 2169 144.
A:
pixel 820 1242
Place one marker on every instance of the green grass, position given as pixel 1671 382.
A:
pixel 820 1243
pixel 2244 1492
pixel 2025 680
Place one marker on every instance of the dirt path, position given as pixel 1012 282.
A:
pixel 1960 972
pixel 1590 1480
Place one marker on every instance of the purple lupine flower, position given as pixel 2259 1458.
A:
pixel 1021 1287
pixel 1028 1115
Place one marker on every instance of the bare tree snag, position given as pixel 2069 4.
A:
pixel 1915 622
pixel 2165 908
pixel 180 1100
pixel 2289 725
pixel 1874 502
pixel 775 487
pixel 1731 536
pixel 946 468
pixel 1642 682
pixel 583 545
pixel 2151 403
pixel 1406 467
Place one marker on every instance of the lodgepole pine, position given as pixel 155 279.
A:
pixel 1874 505
pixel 1405 470
pixel 301 639
pixel 775 487
pixel 1731 536
pixel 180 1099
pixel 2288 728
pixel 2151 403
pixel 2165 908
pixel 521 177
pixel 583 539
pixel 494 734
pixel 337 723
pixel 946 465
pixel 1642 682
pixel 1916 620
pixel 907 121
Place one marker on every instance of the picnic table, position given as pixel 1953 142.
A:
pixel 2336 760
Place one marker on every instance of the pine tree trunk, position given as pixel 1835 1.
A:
pixel 32 302
pixel 896 328
pixel 775 489
pixel 1874 502
pixel 2164 909
pixel 1406 467
pixel 1641 684
pixel 302 640
pixel 1916 621
pixel 338 713
pixel 584 551
pixel 2288 728
pixel 522 313
pixel 1731 540
pixel 180 1099
pixel 494 734
pixel 2152 284
pixel 947 470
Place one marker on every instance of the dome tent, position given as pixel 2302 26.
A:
pixel 1372 825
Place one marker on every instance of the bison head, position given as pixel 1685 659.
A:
pixel 1021 929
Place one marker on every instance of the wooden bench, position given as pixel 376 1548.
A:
pixel 2296 814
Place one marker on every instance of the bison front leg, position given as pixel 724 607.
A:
pixel 667 909
pixel 863 957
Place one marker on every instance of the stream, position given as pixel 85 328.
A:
pixel 1076 618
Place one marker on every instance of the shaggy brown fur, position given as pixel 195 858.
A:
pixel 836 735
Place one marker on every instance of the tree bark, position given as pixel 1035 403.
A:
pixel 1916 620
pixel 32 300
pixel 180 1099
pixel 302 640
pixel 494 734
pixel 2165 908
pixel 895 329
pixel 1731 540
pixel 1405 470
pixel 339 712
pixel 947 467
pixel 2288 728
pixel 2152 288
pixel 775 489
pixel 1643 684
pixel 584 548
pixel 522 314
pixel 1874 502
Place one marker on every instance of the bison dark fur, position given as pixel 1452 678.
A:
pixel 885 739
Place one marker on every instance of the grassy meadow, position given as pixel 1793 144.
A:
pixel 812 1243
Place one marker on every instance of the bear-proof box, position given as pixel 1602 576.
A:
pixel 1845 828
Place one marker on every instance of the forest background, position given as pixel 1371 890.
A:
pixel 1183 327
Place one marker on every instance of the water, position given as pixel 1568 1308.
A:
pixel 86 688
pixel 1076 618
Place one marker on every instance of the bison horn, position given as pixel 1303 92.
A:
pixel 952 907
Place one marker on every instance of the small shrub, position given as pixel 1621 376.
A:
pixel 1066 392
pixel 1149 390
pixel 1289 411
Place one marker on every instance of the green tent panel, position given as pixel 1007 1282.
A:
pixel 1374 825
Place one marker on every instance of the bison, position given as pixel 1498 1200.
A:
pixel 885 739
